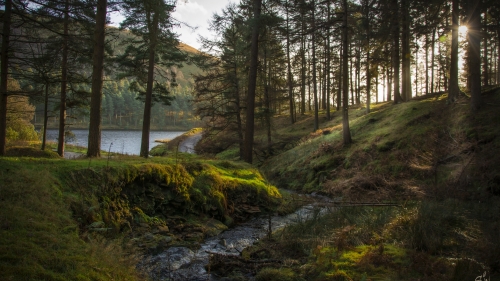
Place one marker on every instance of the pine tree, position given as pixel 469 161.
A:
pixel 155 44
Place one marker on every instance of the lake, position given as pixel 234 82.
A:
pixel 121 141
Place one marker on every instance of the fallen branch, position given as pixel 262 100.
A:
pixel 356 204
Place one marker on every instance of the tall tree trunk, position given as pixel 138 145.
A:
pixel 376 84
pixel 238 106
pixel 309 80
pixel 389 80
pixel 289 68
pixel 406 52
pixel 358 74
pixel 328 70
pixel 498 56
pixel 94 141
pixel 252 84
pixel 446 66
pixel 45 115
pixel 486 74
pixel 267 106
pixel 146 121
pixel 395 52
pixel 323 80
pixel 351 76
pixel 426 64
pixel 4 74
pixel 368 73
pixel 416 66
pixel 339 90
pixel 64 83
pixel 303 72
pixel 433 58
pixel 346 132
pixel 453 89
pixel 474 52
pixel 385 81
pixel 315 86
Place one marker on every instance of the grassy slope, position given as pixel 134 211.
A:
pixel 438 161
pixel 85 219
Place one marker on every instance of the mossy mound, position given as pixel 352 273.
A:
pixel 25 151
pixel 181 197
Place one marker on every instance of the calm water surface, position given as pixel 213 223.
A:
pixel 120 141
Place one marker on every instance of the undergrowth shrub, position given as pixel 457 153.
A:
pixel 430 226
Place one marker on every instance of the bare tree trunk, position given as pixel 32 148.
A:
pixel 315 86
pixel 64 83
pixel 45 115
pixel 328 70
pixel 94 141
pixel 303 74
pixel 453 89
pixel 339 90
pixel 416 66
pixel 289 68
pixel 486 74
pixel 323 80
pixel 368 73
pixel 350 76
pixel 4 74
pixel 358 75
pixel 395 52
pixel 433 58
pixel 426 64
pixel 376 84
pixel 385 81
pixel 267 117
pixel 346 133
pixel 474 52
pixel 406 52
pixel 252 84
pixel 498 56
pixel 389 81
pixel 238 105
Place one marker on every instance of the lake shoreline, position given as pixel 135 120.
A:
pixel 118 141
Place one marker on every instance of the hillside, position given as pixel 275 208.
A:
pixel 417 190
pixel 184 73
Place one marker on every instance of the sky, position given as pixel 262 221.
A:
pixel 196 13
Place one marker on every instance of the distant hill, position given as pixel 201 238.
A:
pixel 184 74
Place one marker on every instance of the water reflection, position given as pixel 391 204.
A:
pixel 120 141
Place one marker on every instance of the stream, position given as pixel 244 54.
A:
pixel 182 263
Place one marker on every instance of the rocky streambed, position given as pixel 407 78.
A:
pixel 183 263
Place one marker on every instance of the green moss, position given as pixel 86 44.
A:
pixel 277 274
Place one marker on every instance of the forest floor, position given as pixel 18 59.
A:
pixel 437 162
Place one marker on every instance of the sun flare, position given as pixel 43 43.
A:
pixel 462 30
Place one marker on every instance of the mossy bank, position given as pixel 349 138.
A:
pixel 90 219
